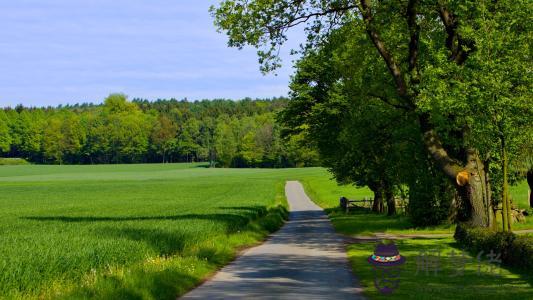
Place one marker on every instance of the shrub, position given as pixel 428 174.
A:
pixel 516 251
pixel 430 199
pixel 8 161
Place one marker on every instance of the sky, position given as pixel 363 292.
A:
pixel 62 51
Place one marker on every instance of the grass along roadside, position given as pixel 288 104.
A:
pixel 510 284
pixel 144 231
pixel 326 193
pixel 426 275
pixel 166 277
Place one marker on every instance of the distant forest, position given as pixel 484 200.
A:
pixel 225 133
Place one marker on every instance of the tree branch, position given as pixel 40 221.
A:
pixel 434 146
pixel 296 20
pixel 414 31
pixel 459 47
pixel 387 101
pixel 393 67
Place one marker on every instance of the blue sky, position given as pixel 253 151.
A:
pixel 59 51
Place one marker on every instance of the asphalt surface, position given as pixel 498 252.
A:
pixel 305 259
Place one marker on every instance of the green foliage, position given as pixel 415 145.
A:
pixel 5 136
pixel 349 114
pixel 430 196
pixel 453 77
pixel 163 136
pixel 232 133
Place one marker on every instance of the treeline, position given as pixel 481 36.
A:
pixel 223 132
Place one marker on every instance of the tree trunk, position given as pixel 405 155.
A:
pixel 377 205
pixel 475 193
pixel 391 203
pixel 491 211
pixel 506 203
pixel 530 183
pixel 470 180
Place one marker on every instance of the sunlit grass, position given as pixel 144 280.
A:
pixel 434 278
pixel 326 193
pixel 150 231
pixel 134 231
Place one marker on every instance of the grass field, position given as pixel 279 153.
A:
pixel 146 231
pixel 136 231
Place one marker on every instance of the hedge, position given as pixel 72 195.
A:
pixel 516 250
pixel 7 161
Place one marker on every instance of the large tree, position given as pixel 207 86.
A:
pixel 435 52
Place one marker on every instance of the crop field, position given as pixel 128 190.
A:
pixel 114 231
pixel 143 231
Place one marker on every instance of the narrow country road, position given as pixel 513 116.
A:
pixel 305 259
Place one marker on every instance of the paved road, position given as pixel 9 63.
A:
pixel 305 259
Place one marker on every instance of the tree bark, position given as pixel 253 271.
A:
pixel 530 183
pixel 391 203
pixel 474 193
pixel 377 205
pixel 490 208
pixel 506 207
pixel 477 194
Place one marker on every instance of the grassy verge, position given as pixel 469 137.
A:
pixel 147 231
pixel 326 193
pixel 519 193
pixel 445 277
pixel 509 284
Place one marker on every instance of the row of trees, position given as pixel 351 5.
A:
pixel 223 132
pixel 429 98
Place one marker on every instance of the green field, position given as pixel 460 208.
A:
pixel 150 231
pixel 146 231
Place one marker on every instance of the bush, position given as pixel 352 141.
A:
pixel 7 161
pixel 430 199
pixel 521 252
pixel 516 251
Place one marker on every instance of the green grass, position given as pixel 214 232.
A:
pixel 519 194
pixel 134 231
pixel 511 284
pixel 448 283
pixel 147 231
pixel 326 193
